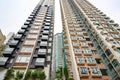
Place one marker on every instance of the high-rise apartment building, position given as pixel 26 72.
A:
pixel 31 47
pixel 92 42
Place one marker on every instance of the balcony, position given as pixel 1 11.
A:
pixel 26 50
pixel 18 37
pixel 108 52
pixel 29 43
pixel 42 52
pixel 3 61
pixel 46 32
pixel 32 36
pixel 21 31
pixel 46 27
pixel 24 27
pixel 80 61
pixel 26 23
pixel 95 72
pixel 83 72
pixel 77 51
pixel 34 31
pixel 47 23
pixel 40 62
pixel 116 64
pixel 87 52
pixel 21 62
pixel 8 52
pixel 14 43
pixel 91 61
pixel 84 44
pixel 35 27
pixel 22 59
pixel 43 44
pixel 44 37
pixel 49 18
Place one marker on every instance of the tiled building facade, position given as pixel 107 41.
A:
pixel 91 41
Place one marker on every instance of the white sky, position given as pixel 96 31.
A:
pixel 14 12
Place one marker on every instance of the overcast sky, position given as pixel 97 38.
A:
pixel 13 13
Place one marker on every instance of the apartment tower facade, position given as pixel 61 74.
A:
pixel 92 42
pixel 31 47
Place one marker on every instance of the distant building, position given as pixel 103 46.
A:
pixel 9 37
pixel 2 38
pixel 58 53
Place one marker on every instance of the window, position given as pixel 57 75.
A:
pixel 83 70
pixel 115 35
pixel 34 31
pixel 105 59
pixel 35 27
pixel 42 50
pixel 72 32
pixel 77 50
pixel 23 59
pixel 111 30
pixel 74 38
pixel 118 50
pixel 79 33
pixel 40 61
pixel 108 52
pixel 9 49
pixel 83 44
pixel 93 31
pixel 32 36
pixel 75 44
pixel 97 37
pixel 88 51
pixel 50 44
pixel 95 70
pixel 77 28
pixel 101 43
pixel 80 60
pixel 44 37
pixel 49 50
pixel 71 28
pixel 110 67
pixel 30 42
pixel 46 32
pixel 94 52
pixel 18 36
pixel 91 60
pixel 112 42
pixel 81 37
pixel 43 43
pixel 26 49
pixel 115 63
pixel 105 35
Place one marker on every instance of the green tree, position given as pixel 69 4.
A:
pixel 70 79
pixel 19 75
pixel 9 74
pixel 59 73
pixel 41 75
pixel 28 75
pixel 34 74
pixel 66 72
